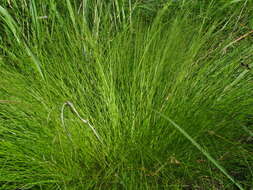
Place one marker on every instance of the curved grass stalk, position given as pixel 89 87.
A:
pixel 78 115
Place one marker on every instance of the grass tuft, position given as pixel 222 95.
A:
pixel 116 62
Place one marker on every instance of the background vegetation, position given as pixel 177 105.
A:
pixel 126 94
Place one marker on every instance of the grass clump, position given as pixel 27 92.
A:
pixel 126 95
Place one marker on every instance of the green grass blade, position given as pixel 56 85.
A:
pixel 72 15
pixel 34 14
pixel 10 23
pixel 203 151
pixel 248 131
pixel 35 61
pixel 13 27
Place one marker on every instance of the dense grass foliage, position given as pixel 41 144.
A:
pixel 126 94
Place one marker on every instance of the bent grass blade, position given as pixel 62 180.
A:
pixel 14 29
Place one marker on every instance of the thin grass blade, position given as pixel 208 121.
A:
pixel 203 151
pixel 10 23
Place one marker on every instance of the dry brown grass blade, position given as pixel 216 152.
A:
pixel 8 102
pixel 78 115
pixel 237 40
